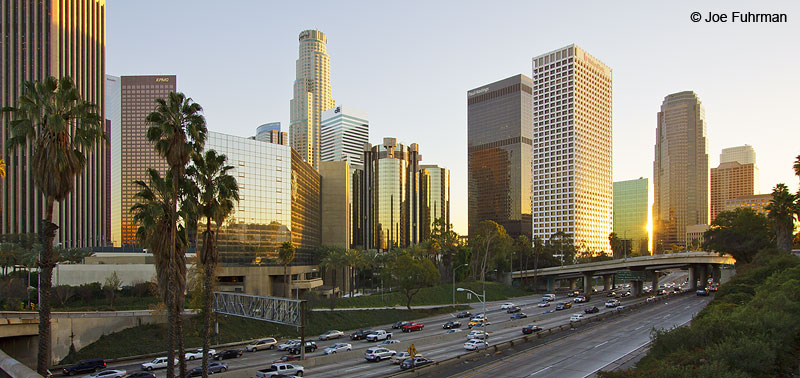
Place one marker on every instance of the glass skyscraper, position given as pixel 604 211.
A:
pixel 271 133
pixel 630 214
pixel 434 188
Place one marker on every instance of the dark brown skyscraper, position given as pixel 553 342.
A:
pixel 54 38
pixel 499 131
pixel 139 94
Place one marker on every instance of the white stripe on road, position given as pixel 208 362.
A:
pixel 603 343
pixel 541 370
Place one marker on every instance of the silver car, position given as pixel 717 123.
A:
pixel 338 347
pixel 334 334
pixel 377 354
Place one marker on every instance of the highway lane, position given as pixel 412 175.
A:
pixel 584 353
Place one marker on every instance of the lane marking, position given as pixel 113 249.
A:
pixel 603 343
pixel 539 371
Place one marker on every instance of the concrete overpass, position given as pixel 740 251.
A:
pixel 636 268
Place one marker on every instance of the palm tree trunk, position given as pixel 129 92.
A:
pixel 208 282
pixel 174 322
pixel 170 323
pixel 333 290
pixel 285 282
pixel 47 231
pixel 179 333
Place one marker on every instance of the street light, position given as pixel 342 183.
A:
pixel 454 282
pixel 482 298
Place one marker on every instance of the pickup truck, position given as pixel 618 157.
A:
pixel 360 334
pixel 413 326
pixel 379 335
pixel 280 369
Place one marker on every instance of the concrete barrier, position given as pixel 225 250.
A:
pixel 12 368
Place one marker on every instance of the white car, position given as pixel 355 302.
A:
pixel 402 356
pixel 377 354
pixel 198 354
pixel 544 304
pixel 157 363
pixel 620 308
pixel 107 374
pixel 388 342
pixel 452 330
pixel 338 347
pixel 334 334
pixel 288 345
pixel 612 303
pixel 576 318
pixel 475 344
pixel 268 343
pixel 506 306
pixel 477 335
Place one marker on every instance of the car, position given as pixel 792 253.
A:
pixel 230 353
pixel 544 304
pixel 85 366
pixel 475 344
pixel 506 306
pixel 361 334
pixel 377 354
pixel 334 334
pixel 452 330
pixel 463 314
pixel 619 308
pixel 478 317
pixel 573 293
pixel 626 294
pixel 400 324
pixel 563 306
pixel 412 326
pixel 580 299
pixel 651 299
pixel 713 287
pixel 611 303
pixel 451 324
pixel 278 370
pixel 268 343
pixel 678 290
pixel 287 358
pixel 702 292
pixel 288 344
pixel 519 315
pixel 107 374
pixel 311 346
pixel 480 335
pixel 477 323
pixel 198 354
pixel 402 356
pixel 157 363
pixel 410 363
pixel 530 328
pixel 378 335
pixel 141 374
pixel 576 318
pixel 388 342
pixel 338 347
pixel 213 368
pixel 661 292
pixel 512 310
pixel 549 297
pixel 611 294
pixel 591 309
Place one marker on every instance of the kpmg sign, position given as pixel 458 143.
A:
pixel 477 92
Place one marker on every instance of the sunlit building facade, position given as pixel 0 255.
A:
pixel 271 133
pixel 113 111
pixel 630 215
pixel 54 38
pixel 757 203
pixel 344 131
pixel 729 181
pixel 312 95
pixel 680 170
pixel 572 176
pixel 434 191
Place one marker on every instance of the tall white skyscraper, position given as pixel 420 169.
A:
pixel 312 95
pixel 572 182
pixel 344 131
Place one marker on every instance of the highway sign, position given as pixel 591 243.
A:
pixel 627 275
pixel 412 351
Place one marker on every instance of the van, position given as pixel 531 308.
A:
pixel 549 297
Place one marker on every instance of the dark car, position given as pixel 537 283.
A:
pixel 464 314
pixel 85 366
pixel 573 293
pixel 451 324
pixel 213 368
pixel 310 347
pixel 591 309
pixel 399 324
pixel 230 353
pixel 287 358
pixel 410 363
pixel 141 374
pixel 361 334
pixel 518 315
pixel 530 328
pixel 564 306
pixel 611 294
pixel 513 309
pixel 702 292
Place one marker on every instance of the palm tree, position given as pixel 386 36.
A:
pixel 61 128
pixel 782 209
pixel 352 259
pixel 177 129
pixel 796 166
pixel 216 193
pixel 285 256
pixel 2 168
pixel 332 260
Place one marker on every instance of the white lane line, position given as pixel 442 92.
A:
pixel 601 344
pixel 539 371
pixel 639 327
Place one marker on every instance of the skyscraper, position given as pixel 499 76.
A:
pixel 630 215
pixel 572 184
pixel 271 133
pixel 499 154
pixel 312 95
pixel 112 106
pixel 343 132
pixel 741 154
pixel 434 204
pixel 680 170
pixel 54 38
pixel 729 181
pixel 138 99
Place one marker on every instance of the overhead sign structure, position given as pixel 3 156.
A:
pixel 628 275
pixel 272 309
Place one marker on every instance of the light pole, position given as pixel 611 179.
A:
pixel 483 300
pixel 454 282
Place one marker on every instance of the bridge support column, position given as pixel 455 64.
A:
pixel 588 283
pixel 703 273
pixel 655 281
pixel 636 288
pixel 716 273
pixel 607 282
pixel 573 284
pixel 692 277
pixel 551 283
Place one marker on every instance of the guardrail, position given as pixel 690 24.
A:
pixel 10 367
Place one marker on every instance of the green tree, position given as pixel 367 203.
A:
pixel 411 275
pixel 331 259
pixel 73 255
pixel 740 233
pixel 286 256
pixel 352 259
pixel 562 247
pixel 782 209
pixel 62 129
pixel 112 285
pixel 215 193
pixel 490 239
pixel 617 245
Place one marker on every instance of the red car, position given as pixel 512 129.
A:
pixel 413 326
pixel 287 358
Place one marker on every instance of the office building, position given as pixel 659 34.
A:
pixel 741 154
pixel 630 215
pixel 113 111
pixel 137 154
pixel 729 181
pixel 344 131
pixel 434 190
pixel 271 133
pixel 312 95
pixel 695 236
pixel 54 38
pixel 336 203
pixel 499 155
pixel 680 170
pixel 572 184
pixel 758 203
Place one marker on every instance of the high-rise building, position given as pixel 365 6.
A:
pixel 630 215
pixel 572 182
pixel 112 107
pixel 271 133
pixel 680 170
pixel 312 95
pixel 729 181
pixel 758 203
pixel 499 154
pixel 741 154
pixel 54 38
pixel 434 204
pixel 336 203
pixel 343 133
pixel 138 99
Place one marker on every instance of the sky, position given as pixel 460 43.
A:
pixel 409 65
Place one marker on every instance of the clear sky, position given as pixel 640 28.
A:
pixel 410 63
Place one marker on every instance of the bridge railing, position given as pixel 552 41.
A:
pixel 10 367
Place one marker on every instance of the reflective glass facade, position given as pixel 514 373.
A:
pixel 630 214
pixel 112 105
pixel 434 191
